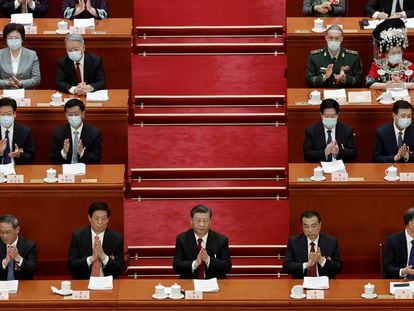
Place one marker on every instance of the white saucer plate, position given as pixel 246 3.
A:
pixel 56 105
pixel 314 103
pixel 181 296
pixel 369 296
pixel 318 179
pixel 162 297
pixel 3 180
pixel 50 181
pixel 297 297
pixel 318 30
pixel 391 179
pixel 386 102
pixel 66 293
pixel 60 32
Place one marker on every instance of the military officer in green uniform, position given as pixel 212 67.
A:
pixel 334 66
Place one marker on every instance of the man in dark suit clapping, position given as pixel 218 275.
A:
pixel 201 252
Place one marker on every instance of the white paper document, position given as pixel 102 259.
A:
pixel 15 94
pixel 207 286
pixel 74 169
pixel 373 23
pixel 339 95
pixel 316 282
pixel 359 97
pixel 401 285
pixel 22 18
pixel 84 22
pixel 9 286
pixel 334 166
pixel 97 96
pixel 7 169
pixel 101 282
pixel 409 22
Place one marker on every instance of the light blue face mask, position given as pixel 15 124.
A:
pixel 75 55
pixel 6 121
pixel 395 59
pixel 14 44
pixel 334 45
pixel 329 123
pixel 75 121
pixel 404 122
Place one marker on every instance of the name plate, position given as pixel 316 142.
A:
pixel 30 30
pixel 194 295
pixel 403 294
pixel 24 102
pixel 78 30
pixel 15 179
pixel 315 294
pixel 339 176
pixel 42 104
pixel 66 178
pixel 89 180
pixel 4 296
pixel 89 104
pixel 407 176
pixel 80 295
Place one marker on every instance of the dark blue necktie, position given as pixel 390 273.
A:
pixel 411 259
pixel 328 142
pixel 10 270
pixel 6 158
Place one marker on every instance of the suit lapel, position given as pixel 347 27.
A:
pixel 23 61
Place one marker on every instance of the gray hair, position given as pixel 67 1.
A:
pixel 10 219
pixel 74 37
pixel 335 27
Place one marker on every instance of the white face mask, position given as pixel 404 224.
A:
pixel 14 44
pixel 75 55
pixel 334 45
pixel 395 59
pixel 6 121
pixel 404 122
pixel 329 123
pixel 75 121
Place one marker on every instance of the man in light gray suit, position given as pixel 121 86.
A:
pixel 19 67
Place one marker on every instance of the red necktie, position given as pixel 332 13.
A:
pixel 312 269
pixel 96 265
pixel 200 270
pixel 78 73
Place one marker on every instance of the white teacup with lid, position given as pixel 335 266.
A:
pixel 315 97
pixel 56 98
pixel 159 291
pixel 175 291
pixel 318 24
pixel 51 174
pixel 62 26
pixel 391 172
pixel 369 290
pixel 297 291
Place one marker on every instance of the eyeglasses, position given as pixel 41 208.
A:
pixel 7 232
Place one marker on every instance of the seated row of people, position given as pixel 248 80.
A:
pixel 70 8
pixel 378 9
pixel 337 67
pixel 77 73
pixel 330 140
pixel 73 142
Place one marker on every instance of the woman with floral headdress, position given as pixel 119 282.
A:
pixel 389 69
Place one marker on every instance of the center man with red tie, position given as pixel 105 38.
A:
pixel 201 253
pixel 96 250
pixel 312 253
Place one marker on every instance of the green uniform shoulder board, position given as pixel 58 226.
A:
pixel 351 51
pixel 316 51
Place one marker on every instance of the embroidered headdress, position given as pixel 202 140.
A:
pixel 390 33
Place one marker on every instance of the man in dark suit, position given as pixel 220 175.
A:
pixel 96 250
pixel 312 253
pixel 399 252
pixel 329 139
pixel 37 7
pixel 18 254
pixel 394 141
pixel 201 252
pixel 16 143
pixel 79 72
pixel 76 141
pixel 84 9
pixel 383 9
pixel 334 66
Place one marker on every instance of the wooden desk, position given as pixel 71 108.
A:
pixel 359 213
pixel 252 294
pixel 301 40
pixel 111 117
pixel 363 118
pixel 111 40
pixel 48 213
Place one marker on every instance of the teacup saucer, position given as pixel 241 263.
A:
pixel 161 297
pixel 386 102
pixel 62 32
pixel 65 292
pixel 56 105
pixel 181 296
pixel 318 179
pixel 314 103
pixel 318 30
pixel 51 181
pixel 363 295
pixel 391 178
pixel 297 297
